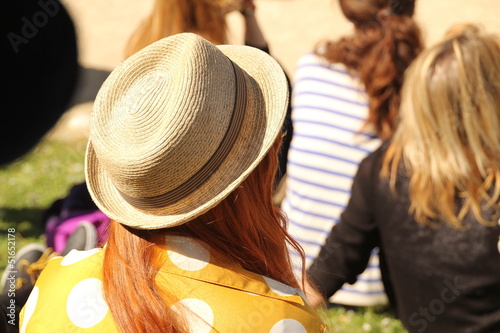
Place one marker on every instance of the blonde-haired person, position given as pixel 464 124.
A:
pixel 430 197
pixel 345 97
pixel 182 154
pixel 206 18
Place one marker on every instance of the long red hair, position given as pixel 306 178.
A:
pixel 385 42
pixel 245 227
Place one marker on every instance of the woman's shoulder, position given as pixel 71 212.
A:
pixel 315 69
pixel 313 59
pixel 194 260
pixel 76 265
pixel 213 286
pixel 68 295
pixel 375 158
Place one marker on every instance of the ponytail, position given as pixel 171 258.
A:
pixel 378 54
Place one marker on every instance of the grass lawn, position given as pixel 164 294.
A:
pixel 372 319
pixel 30 185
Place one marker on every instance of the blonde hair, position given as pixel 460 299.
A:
pixel 169 17
pixel 448 136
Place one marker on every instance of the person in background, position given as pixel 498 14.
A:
pixel 346 95
pixel 206 18
pixel 430 197
pixel 182 155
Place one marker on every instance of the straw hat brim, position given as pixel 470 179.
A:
pixel 264 116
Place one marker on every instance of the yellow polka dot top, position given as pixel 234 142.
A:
pixel 214 295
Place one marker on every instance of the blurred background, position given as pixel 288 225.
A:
pixel 291 27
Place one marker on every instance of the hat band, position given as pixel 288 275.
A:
pixel 199 178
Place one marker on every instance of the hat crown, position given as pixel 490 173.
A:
pixel 179 126
pixel 162 115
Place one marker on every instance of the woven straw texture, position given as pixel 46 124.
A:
pixel 162 114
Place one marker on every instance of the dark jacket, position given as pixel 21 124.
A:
pixel 442 279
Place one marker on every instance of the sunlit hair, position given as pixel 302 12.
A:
pixel 382 47
pixel 170 17
pixel 245 227
pixel 448 137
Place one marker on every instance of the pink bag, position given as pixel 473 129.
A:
pixel 57 229
pixel 66 214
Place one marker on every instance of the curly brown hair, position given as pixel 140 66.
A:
pixel 385 42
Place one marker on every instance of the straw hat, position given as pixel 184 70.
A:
pixel 178 126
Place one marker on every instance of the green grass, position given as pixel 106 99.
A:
pixel 362 320
pixel 30 185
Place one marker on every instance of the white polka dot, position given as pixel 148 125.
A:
pixel 75 256
pixel 280 288
pixel 288 326
pixel 200 316
pixel 187 253
pixel 29 308
pixel 85 305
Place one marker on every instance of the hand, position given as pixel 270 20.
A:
pixel 247 8
pixel 229 6
pixel 314 297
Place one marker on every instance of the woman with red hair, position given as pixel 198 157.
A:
pixel 182 155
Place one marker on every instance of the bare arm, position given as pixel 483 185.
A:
pixel 253 33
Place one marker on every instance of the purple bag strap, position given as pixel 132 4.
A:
pixel 58 230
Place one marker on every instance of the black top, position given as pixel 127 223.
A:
pixel 442 279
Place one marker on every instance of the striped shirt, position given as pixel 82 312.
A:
pixel 329 107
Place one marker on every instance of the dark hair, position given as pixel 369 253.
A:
pixel 402 7
pixel 385 42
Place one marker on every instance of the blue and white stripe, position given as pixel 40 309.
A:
pixel 329 107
